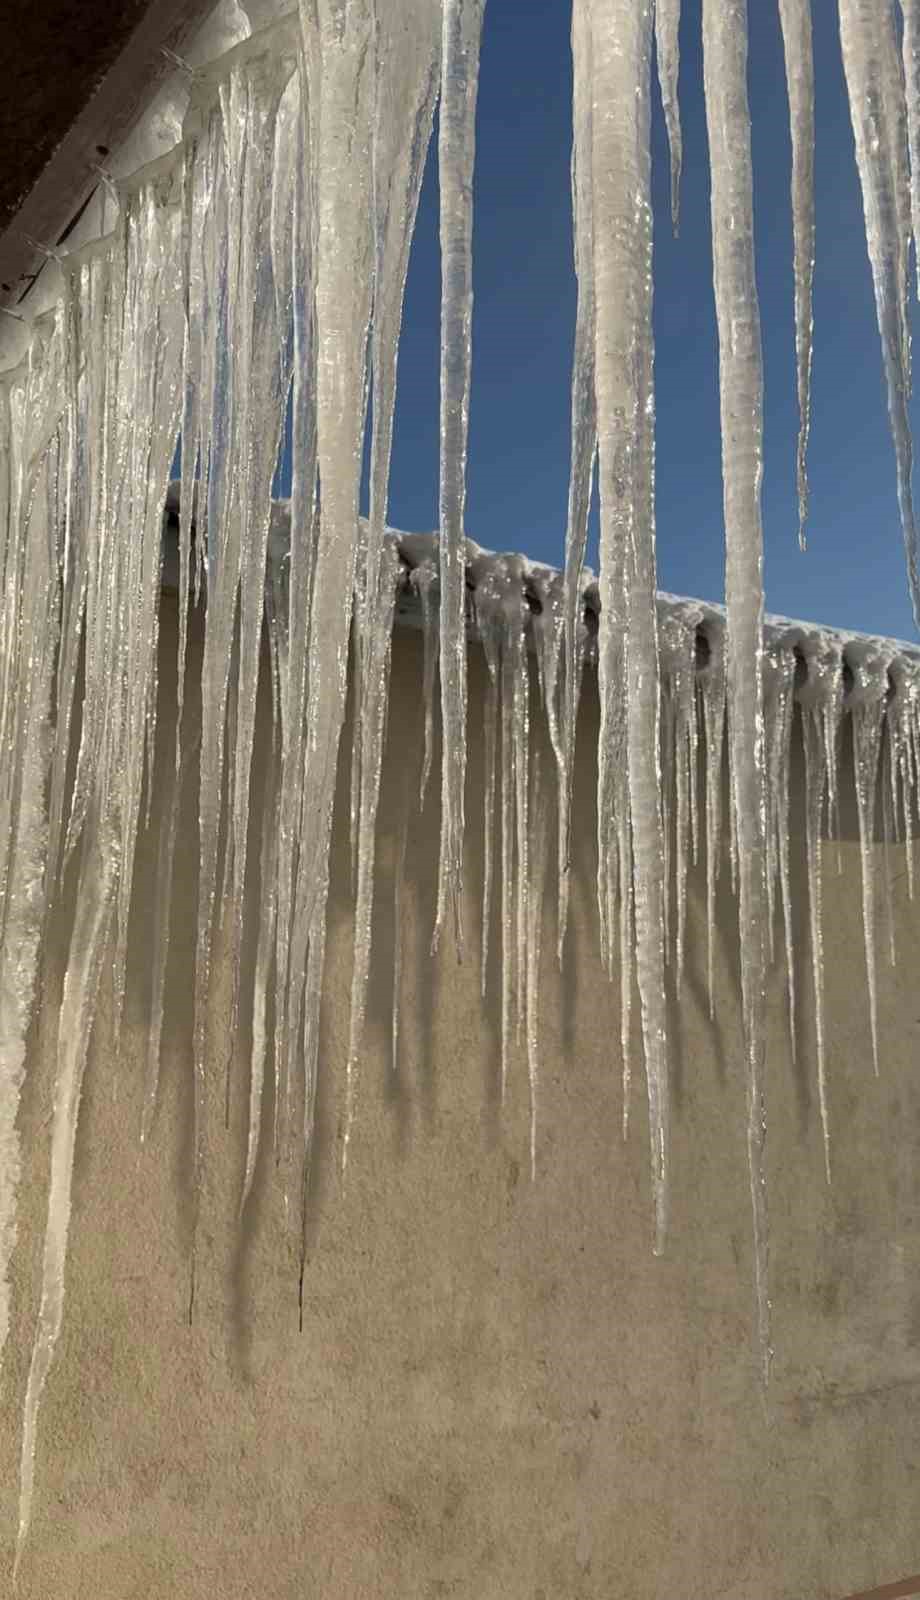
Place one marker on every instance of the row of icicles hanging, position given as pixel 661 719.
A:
pixel 262 266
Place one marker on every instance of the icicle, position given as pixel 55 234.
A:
pixel 876 94
pixel 166 856
pixel 375 653
pixel 32 439
pixel 901 715
pixel 462 28
pixel 741 394
pixel 795 16
pixel 621 64
pixel 584 438
pixel 499 603
pixel 889 828
pixel 233 178
pixel 264 948
pixel 338 46
pixel 779 664
pixel 910 11
pixel 667 44
pixel 95 909
pixel 425 578
pixel 407 68
pixel 866 701
pixel 151 361
pixel 261 164
pixel 399 875
pixel 820 700
pixel 490 733
pixel 538 812
pixel 297 562
pixel 679 744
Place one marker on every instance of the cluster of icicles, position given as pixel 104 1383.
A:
pixel 257 273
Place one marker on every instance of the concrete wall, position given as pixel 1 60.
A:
pixel 498 1393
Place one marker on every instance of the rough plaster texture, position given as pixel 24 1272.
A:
pixel 498 1393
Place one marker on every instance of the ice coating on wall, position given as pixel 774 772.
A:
pixel 254 277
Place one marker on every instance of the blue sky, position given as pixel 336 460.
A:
pixel 853 572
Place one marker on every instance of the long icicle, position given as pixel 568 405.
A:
pixel 876 95
pixel 584 439
pixel 741 404
pixel 910 46
pixel 621 67
pixel 667 46
pixel 795 17
pixel 462 29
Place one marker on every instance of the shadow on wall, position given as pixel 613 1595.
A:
pixel 496 1391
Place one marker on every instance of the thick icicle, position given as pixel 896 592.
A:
pixel 405 85
pixel 462 29
pixel 95 910
pixel 795 16
pixel 741 396
pixel 712 694
pixel 33 439
pixel 876 95
pixel 621 67
pixel 584 437
pixel 667 46
pixel 338 48
pixel 127 379
pixel 866 701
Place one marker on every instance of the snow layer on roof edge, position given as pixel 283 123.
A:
pixel 859 653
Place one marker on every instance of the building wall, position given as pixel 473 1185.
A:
pixel 498 1392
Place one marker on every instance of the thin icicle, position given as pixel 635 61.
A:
pixel 424 579
pixel 295 564
pixel 679 744
pixel 264 952
pixel 537 867
pixel 583 441
pixel 667 45
pixel 375 653
pixel 795 17
pixel 876 94
pixel 490 734
pixel 866 700
pixel 820 701
pixel 462 29
pixel 166 856
pixel 500 617
pixel 399 877
pixel 741 404
pixel 779 683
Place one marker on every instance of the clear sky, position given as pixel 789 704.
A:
pixel 853 573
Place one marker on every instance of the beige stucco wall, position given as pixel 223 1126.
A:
pixel 498 1393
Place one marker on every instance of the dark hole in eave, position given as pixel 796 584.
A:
pixel 703 650
pixel 532 600
pixel 590 617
